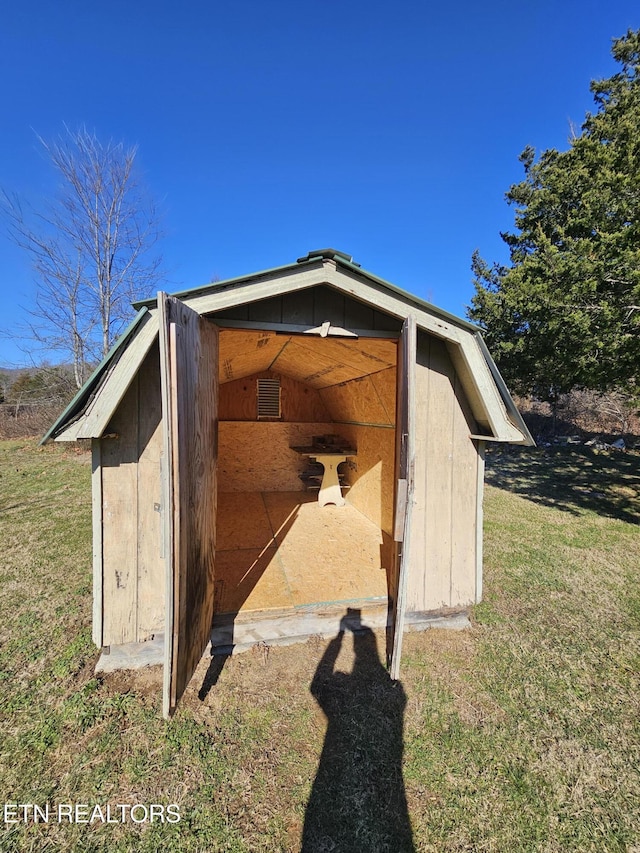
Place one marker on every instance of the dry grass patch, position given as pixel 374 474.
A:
pixel 521 733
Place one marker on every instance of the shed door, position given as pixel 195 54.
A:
pixel 405 464
pixel 189 371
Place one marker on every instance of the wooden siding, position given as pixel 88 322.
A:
pixel 313 306
pixel 305 295
pixel 404 491
pixel 96 517
pixel 479 519
pixel 133 570
pixel 150 562
pixel 443 552
pixel 118 380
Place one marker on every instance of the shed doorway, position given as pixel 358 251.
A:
pixel 286 566
pixel 244 541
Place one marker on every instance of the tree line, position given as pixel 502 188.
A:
pixel 49 386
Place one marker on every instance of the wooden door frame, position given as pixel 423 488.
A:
pixel 404 491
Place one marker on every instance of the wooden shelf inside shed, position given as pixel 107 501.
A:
pixel 280 550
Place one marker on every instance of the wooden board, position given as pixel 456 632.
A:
pixel 479 519
pixel 251 579
pixel 244 353
pixel 94 422
pixel 297 307
pixel 444 550
pixel 385 384
pixel 127 525
pixel 437 468
pixel 330 554
pixel 422 570
pixel 463 502
pixel 242 522
pixel 189 372
pixel 321 362
pixel 316 361
pixel 364 355
pixel 359 297
pixel 330 306
pixel 310 307
pixel 305 361
pixel 150 563
pixel 405 465
pixel 478 380
pixel 119 463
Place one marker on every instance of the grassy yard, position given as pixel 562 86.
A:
pixel 521 734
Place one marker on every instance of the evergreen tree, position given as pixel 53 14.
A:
pixel 565 312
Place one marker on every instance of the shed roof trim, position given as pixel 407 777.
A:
pixel 78 404
pixel 318 258
pixel 489 396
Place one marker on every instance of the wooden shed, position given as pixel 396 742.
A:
pixel 220 415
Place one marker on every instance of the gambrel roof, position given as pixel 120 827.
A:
pixel 88 415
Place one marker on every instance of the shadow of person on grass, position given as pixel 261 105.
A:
pixel 358 800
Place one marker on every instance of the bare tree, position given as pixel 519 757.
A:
pixel 91 247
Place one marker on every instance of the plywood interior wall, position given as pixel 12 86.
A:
pixel 367 400
pixel 257 456
pixel 341 386
pixel 363 411
pixel 442 567
pixel 372 479
pixel 299 402
pixel 133 569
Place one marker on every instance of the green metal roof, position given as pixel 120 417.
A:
pixel 341 259
pixel 333 254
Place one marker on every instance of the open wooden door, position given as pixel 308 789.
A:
pixel 189 372
pixel 405 464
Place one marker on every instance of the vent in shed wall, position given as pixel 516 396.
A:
pixel 269 398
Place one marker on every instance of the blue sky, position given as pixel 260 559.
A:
pixel 389 131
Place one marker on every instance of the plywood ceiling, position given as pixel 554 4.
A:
pixel 319 362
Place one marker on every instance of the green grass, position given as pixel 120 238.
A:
pixel 521 734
